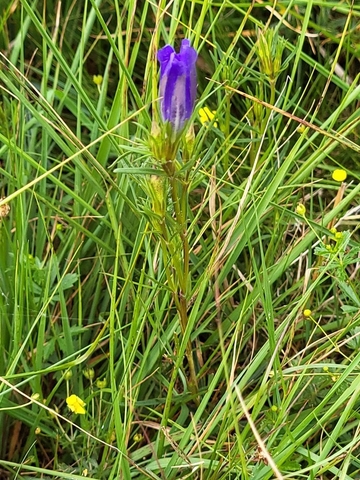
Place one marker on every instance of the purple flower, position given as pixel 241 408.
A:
pixel 177 84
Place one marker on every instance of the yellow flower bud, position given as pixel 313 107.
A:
pixel 307 313
pixel 301 209
pixel 98 79
pixel 301 129
pixel 137 437
pixel 68 374
pixel 101 383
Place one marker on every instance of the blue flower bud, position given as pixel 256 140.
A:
pixel 177 84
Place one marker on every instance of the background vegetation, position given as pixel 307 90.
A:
pixel 85 307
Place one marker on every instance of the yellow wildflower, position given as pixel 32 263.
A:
pixel 206 115
pixel 307 313
pixel 301 129
pixel 138 437
pixel 75 404
pixel 98 79
pixel 339 175
pixel 301 209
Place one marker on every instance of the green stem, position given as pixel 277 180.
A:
pixel 180 295
pixel 263 124
pixel 268 111
pixel 165 246
pixel 192 383
pixel 227 129
pixel 180 208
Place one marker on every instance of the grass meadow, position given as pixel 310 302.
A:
pixel 198 325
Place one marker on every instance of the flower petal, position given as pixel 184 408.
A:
pixel 75 404
pixel 177 84
pixel 164 56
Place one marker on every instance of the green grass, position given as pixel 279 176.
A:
pixel 87 304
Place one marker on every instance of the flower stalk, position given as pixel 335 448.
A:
pixel 172 142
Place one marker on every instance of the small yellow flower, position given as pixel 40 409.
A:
pixel 37 431
pixel 75 404
pixel 206 115
pixel 98 79
pixel 339 175
pixel 301 129
pixel 274 408
pixel 307 313
pixel 301 209
pixel 138 437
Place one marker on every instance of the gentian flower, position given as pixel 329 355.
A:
pixel 177 84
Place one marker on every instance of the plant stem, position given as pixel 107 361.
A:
pixel 180 208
